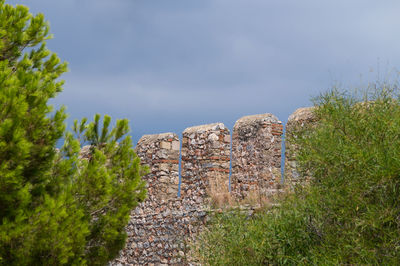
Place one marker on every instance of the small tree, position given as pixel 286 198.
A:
pixel 56 208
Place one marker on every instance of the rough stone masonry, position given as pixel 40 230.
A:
pixel 161 153
pixel 256 156
pixel 159 227
pixel 162 228
pixel 205 162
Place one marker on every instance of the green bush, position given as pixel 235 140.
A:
pixel 54 207
pixel 349 213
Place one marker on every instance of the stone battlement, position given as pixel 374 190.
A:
pixel 212 164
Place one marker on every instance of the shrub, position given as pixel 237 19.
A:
pixel 349 213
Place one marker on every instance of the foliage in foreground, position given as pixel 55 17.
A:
pixel 350 212
pixel 54 207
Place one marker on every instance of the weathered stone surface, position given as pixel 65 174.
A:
pixel 161 234
pixel 256 156
pixel 155 151
pixel 160 228
pixel 300 118
pixel 205 162
pixel 175 145
pixel 165 145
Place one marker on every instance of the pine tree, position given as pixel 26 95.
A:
pixel 56 208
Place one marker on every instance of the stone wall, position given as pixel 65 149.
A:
pixel 256 156
pixel 161 236
pixel 161 228
pixel 300 118
pixel 161 153
pixel 205 162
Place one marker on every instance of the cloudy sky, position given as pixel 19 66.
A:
pixel 170 64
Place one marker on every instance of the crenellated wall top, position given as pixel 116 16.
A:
pixel 260 118
pixel 204 128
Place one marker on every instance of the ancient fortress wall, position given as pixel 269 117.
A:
pixel 161 226
pixel 205 162
pixel 256 156
pixel 176 210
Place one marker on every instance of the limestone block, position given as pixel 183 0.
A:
pixel 163 179
pixel 227 139
pixel 165 145
pixel 175 145
pixel 164 167
pixel 213 137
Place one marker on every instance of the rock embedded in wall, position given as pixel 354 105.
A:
pixel 301 118
pixel 205 163
pixel 256 156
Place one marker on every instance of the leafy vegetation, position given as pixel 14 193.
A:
pixel 349 213
pixel 56 208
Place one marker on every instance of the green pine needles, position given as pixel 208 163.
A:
pixel 349 213
pixel 56 208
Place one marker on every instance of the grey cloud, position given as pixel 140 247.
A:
pixel 167 65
